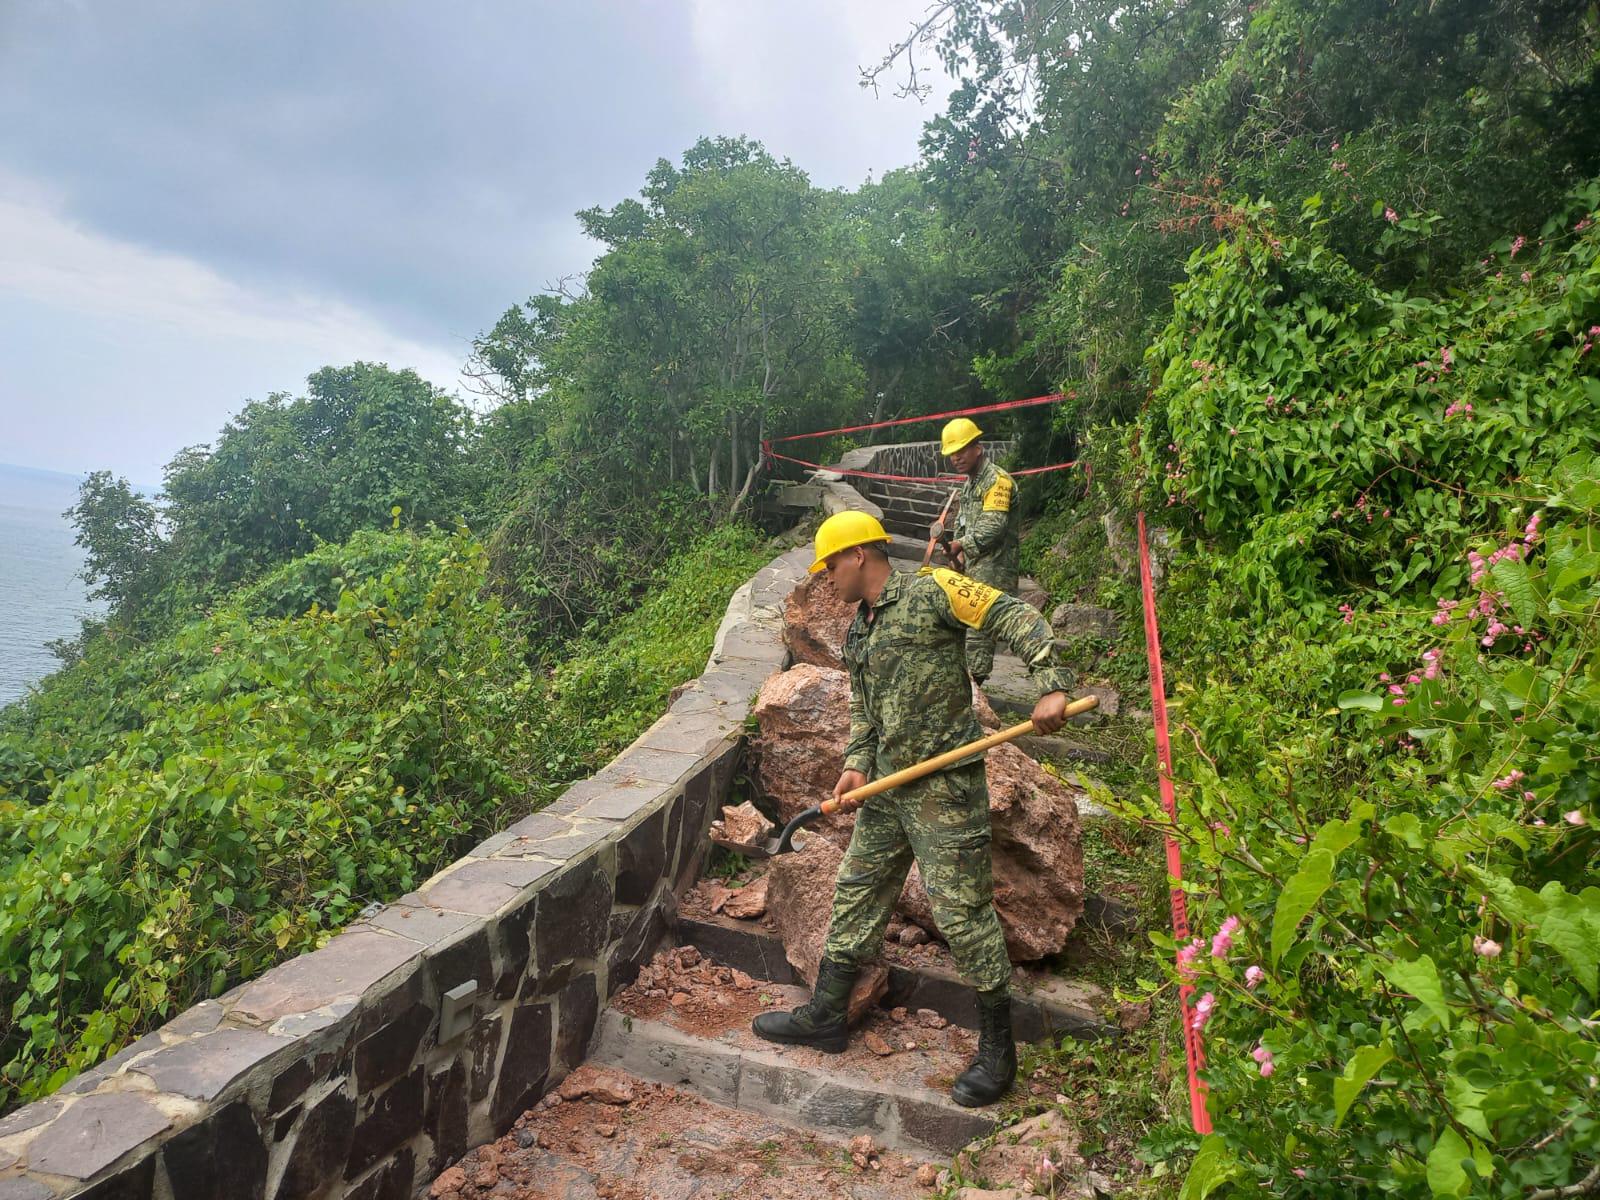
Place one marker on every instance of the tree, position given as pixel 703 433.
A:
pixel 120 532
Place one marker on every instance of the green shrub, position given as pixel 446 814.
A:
pixel 1382 632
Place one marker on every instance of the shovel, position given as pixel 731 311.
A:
pixel 784 842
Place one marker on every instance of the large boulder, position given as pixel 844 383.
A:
pixel 804 718
pixel 799 890
pixel 815 621
pixel 1037 852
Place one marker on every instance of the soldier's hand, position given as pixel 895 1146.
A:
pixel 1050 714
pixel 848 782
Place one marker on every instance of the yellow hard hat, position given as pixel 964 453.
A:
pixel 843 530
pixel 959 433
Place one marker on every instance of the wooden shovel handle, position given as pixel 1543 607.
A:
pixel 938 762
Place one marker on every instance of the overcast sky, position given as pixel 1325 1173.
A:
pixel 202 202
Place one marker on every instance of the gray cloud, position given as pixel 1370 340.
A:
pixel 421 159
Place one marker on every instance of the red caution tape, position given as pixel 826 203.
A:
pixel 1053 398
pixel 939 479
pixel 1194 1051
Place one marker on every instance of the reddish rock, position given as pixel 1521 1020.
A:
pixel 451 1180
pixel 815 621
pixel 1037 852
pixel 748 902
pixel 874 1042
pixel 597 1083
pixel 799 897
pixel 804 715
pixel 742 825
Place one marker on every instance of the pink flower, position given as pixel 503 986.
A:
pixel 1300 1172
pixel 1390 215
pixel 1263 1056
pixel 1222 942
pixel 1186 956
pixel 1517 244
pixel 1575 817
pixel 1485 948
pixel 1267 1069
pixel 1505 783
pixel 1254 977
pixel 1202 1011
pixel 1527 277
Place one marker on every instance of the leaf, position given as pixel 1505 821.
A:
pixel 1405 827
pixel 1570 925
pixel 1446 1175
pixel 1212 1167
pixel 1300 895
pixel 1370 701
pixel 1336 835
pixel 1420 978
pixel 1363 1065
pixel 1511 576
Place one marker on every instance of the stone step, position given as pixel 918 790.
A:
pixel 668 1144
pixel 900 1100
pixel 1044 1006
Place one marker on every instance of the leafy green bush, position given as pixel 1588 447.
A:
pixel 268 775
pixel 1382 631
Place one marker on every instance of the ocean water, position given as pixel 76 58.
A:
pixel 41 596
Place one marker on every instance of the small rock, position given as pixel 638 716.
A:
pixel 679 999
pixel 876 1044
pixel 749 902
pixel 1133 1016
pixel 743 824
pixel 486 1178
pixel 606 1131
pixel 927 1175
pixel 742 981
pixel 525 1138
pixel 451 1180
pixel 897 1015
pixel 608 1087
pixel 914 935
pixel 911 1045
pixel 929 1019
pixel 862 1145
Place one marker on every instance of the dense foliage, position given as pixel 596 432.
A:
pixel 175 823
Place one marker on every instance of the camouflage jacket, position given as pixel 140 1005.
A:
pixel 986 525
pixel 909 694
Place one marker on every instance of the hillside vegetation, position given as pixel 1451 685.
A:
pixel 1322 282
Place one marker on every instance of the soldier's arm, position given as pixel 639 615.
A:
pixel 989 526
pixel 1020 626
pixel 861 751
pixel 966 602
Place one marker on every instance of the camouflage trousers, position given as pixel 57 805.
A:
pixel 943 822
pixel 980 642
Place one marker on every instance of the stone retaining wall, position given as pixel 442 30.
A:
pixel 361 1070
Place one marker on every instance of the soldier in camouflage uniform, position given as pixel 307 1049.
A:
pixel 986 542
pixel 910 700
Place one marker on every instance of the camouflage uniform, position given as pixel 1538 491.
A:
pixel 910 700
pixel 986 527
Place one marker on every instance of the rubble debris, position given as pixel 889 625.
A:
pixel 1037 1156
pixel 749 902
pixel 741 825
pixel 873 1041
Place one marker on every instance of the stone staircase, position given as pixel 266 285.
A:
pixel 681 1099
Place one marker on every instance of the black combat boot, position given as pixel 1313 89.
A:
pixel 992 1073
pixel 821 1021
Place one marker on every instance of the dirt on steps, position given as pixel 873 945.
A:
pixel 604 1135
